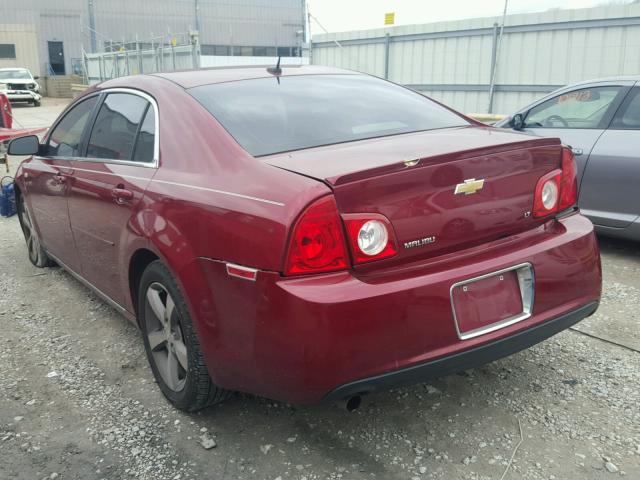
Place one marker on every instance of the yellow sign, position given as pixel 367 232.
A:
pixel 389 18
pixel 174 41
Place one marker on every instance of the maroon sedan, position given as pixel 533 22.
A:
pixel 307 234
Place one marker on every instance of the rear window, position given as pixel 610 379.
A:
pixel 272 115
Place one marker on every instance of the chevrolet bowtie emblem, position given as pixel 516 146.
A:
pixel 469 186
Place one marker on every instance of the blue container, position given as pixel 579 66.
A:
pixel 7 197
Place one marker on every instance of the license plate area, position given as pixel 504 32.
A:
pixel 496 300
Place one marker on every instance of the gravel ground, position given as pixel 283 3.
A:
pixel 77 401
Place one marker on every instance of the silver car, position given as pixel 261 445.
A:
pixel 600 120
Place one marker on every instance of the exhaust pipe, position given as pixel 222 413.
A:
pixel 350 403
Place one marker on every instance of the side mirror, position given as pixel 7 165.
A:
pixel 517 122
pixel 27 145
pixel 36 77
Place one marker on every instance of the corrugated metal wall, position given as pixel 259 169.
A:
pixel 270 23
pixel 451 61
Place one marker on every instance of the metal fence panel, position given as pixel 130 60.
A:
pixel 452 61
pixel 104 66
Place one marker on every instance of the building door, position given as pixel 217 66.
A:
pixel 56 57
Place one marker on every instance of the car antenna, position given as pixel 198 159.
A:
pixel 275 70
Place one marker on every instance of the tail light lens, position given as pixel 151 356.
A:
pixel 317 242
pixel 370 237
pixel 569 181
pixel 557 190
pixel 547 194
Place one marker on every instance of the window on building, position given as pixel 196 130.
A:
pixel 220 50
pixel 7 50
pixel 259 51
pixel 284 51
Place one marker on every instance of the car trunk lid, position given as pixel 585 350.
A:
pixel 442 190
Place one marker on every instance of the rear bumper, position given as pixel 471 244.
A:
pixel 303 339
pixel 464 360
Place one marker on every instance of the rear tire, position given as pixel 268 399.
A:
pixel 171 342
pixel 37 255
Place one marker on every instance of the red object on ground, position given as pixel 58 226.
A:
pixel 7 132
pixel 11 133
pixel 6 120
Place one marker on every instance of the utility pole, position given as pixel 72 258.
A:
pixel 92 27
pixel 197 8
pixel 495 57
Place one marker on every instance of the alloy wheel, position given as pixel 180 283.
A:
pixel 164 333
pixel 30 235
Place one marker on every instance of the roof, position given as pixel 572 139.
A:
pixel 618 78
pixel 196 78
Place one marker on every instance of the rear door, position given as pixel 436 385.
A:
pixel 121 158
pixel 48 179
pixel 578 117
pixel 609 192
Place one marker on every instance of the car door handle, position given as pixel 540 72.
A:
pixel 121 195
pixel 577 151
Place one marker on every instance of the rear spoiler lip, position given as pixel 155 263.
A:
pixel 395 167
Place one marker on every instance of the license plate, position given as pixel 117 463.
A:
pixel 496 300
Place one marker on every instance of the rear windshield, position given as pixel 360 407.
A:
pixel 268 116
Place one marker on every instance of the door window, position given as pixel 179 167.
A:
pixel 628 116
pixel 114 131
pixel 585 108
pixel 144 149
pixel 66 137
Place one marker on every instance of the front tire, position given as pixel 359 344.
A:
pixel 171 342
pixel 37 255
pixel 36 103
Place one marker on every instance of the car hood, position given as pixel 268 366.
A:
pixel 17 81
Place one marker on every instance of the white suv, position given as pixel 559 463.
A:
pixel 21 86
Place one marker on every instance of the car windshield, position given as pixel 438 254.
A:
pixel 272 115
pixel 15 75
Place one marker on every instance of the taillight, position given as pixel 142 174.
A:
pixel 557 190
pixel 370 237
pixel 317 242
pixel 569 181
pixel 547 194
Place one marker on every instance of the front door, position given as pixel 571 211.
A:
pixel 609 192
pixel 108 184
pixel 48 179
pixel 56 58
pixel 577 117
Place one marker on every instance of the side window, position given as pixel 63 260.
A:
pixel 114 131
pixel 628 116
pixel 144 150
pixel 65 138
pixel 583 108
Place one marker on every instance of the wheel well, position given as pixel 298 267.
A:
pixel 139 262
